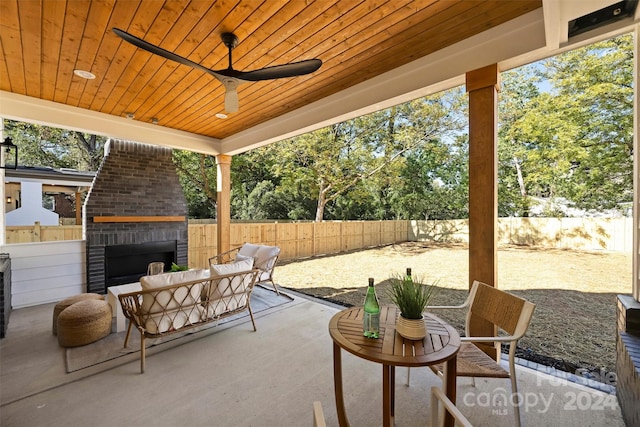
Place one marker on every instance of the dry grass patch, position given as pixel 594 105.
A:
pixel 574 325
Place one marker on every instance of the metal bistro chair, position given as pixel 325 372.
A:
pixel 437 396
pixel 510 314
pixel 318 415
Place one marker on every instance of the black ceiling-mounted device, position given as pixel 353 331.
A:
pixel 605 16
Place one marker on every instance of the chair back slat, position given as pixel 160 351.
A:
pixel 498 307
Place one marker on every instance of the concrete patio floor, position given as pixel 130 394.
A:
pixel 237 377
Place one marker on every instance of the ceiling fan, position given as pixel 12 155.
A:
pixel 229 77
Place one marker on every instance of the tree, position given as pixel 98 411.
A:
pixel 56 148
pixel 328 162
pixel 434 175
pixel 575 140
pixel 197 175
pixel 92 150
pixel 435 181
pixel 597 97
pixel 518 95
pixel 344 159
pixel 256 192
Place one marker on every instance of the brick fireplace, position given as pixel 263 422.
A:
pixel 628 359
pixel 135 212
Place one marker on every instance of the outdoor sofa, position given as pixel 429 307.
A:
pixel 174 302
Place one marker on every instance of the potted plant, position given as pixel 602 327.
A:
pixel 412 297
pixel 175 267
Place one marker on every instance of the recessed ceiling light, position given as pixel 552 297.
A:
pixel 221 116
pixel 84 74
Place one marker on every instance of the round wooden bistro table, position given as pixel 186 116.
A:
pixel 440 345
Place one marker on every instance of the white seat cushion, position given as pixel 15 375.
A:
pixel 172 308
pixel 229 293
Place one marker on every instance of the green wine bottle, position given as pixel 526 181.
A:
pixel 371 318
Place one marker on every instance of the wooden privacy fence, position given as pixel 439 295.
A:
pixel 614 234
pixel 300 240
pixel 297 240
pixel 42 233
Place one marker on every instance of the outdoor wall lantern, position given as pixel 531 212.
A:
pixel 9 154
pixel 9 199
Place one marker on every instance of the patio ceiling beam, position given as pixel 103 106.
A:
pixel 48 113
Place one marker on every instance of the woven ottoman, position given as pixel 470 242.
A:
pixel 84 322
pixel 70 301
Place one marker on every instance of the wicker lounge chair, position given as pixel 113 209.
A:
pixel 264 256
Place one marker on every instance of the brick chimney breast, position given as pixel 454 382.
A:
pixel 134 180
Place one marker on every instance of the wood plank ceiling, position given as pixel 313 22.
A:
pixel 42 42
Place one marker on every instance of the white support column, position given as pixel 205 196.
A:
pixel 223 203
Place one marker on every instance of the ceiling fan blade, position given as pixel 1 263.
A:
pixel 276 72
pixel 229 77
pixel 231 94
pixel 158 50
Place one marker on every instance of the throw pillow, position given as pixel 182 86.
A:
pixel 232 268
pixel 229 293
pixel 240 257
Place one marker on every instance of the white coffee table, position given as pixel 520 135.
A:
pixel 112 298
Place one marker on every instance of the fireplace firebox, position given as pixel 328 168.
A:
pixel 127 263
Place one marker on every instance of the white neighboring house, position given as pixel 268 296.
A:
pixel 31 209
pixel 43 272
pixel 25 187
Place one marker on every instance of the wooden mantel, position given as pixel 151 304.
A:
pixel 139 218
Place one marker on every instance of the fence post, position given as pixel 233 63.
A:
pixel 37 232
pixel 313 241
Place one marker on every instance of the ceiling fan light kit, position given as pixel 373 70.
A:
pixel 229 77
